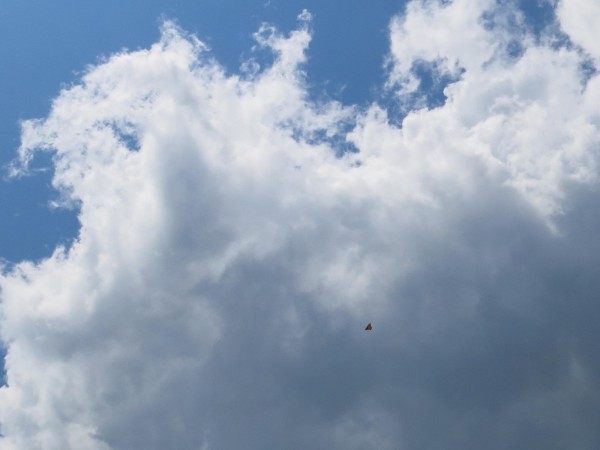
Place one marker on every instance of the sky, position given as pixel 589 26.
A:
pixel 204 203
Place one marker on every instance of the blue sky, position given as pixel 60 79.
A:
pixel 45 46
pixel 222 272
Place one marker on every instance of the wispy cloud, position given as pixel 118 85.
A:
pixel 229 257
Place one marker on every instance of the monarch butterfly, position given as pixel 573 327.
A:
pixel 369 327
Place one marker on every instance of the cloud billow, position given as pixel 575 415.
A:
pixel 230 254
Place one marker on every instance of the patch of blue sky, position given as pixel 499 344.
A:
pixel 127 135
pixel 587 69
pixel 540 20
pixel 47 46
pixel 349 45
pixel 430 92
pixel 336 141
pixel 534 18
pixel 539 15
pixel 31 226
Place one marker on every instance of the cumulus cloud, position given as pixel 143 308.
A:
pixel 527 110
pixel 578 19
pixel 230 254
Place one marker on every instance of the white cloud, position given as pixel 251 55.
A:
pixel 578 19
pixel 525 112
pixel 228 260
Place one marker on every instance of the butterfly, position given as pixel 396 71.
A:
pixel 369 327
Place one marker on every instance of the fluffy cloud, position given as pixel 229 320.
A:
pixel 229 255
pixel 578 19
pixel 521 104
